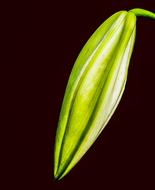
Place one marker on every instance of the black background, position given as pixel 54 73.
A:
pixel 48 37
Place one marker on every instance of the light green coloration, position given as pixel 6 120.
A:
pixel 95 87
pixel 143 12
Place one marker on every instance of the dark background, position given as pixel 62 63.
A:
pixel 47 39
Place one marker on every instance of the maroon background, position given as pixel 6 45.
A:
pixel 48 37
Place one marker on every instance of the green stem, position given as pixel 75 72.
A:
pixel 143 12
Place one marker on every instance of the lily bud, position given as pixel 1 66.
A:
pixel 94 89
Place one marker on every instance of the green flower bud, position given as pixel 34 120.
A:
pixel 94 89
